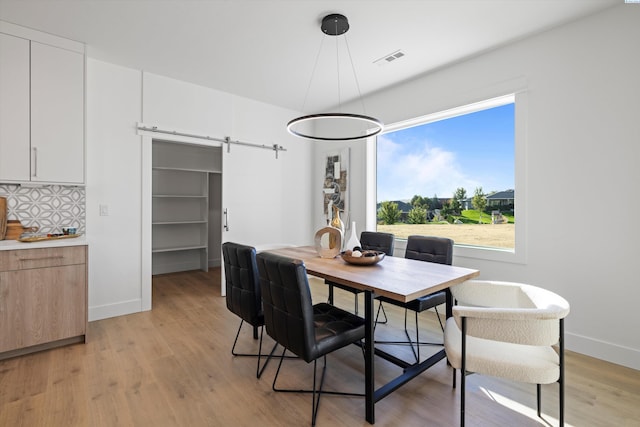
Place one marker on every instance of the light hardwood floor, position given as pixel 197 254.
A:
pixel 172 367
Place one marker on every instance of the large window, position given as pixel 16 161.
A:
pixel 451 174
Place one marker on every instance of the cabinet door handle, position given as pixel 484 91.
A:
pixel 226 219
pixel 41 258
pixel 35 161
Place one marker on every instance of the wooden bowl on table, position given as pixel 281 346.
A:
pixel 367 257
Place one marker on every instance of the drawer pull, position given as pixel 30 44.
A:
pixel 42 258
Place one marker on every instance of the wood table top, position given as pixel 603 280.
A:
pixel 397 278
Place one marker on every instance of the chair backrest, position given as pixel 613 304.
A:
pixel 430 248
pixel 241 281
pixel 377 241
pixel 510 312
pixel 287 303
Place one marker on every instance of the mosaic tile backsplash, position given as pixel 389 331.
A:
pixel 49 207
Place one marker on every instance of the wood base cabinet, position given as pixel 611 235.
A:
pixel 43 298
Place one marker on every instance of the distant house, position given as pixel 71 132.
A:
pixel 503 199
pixel 499 199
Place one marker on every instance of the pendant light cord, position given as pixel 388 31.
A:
pixel 338 68
pixel 355 76
pixel 313 73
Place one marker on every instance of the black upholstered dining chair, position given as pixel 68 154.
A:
pixel 243 295
pixel 370 240
pixel 429 249
pixel 308 331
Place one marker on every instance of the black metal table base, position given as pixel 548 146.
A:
pixel 410 371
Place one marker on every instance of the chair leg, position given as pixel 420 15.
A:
pixel 259 355
pixel 417 337
pixel 377 315
pixel 561 378
pixel 315 403
pixel 275 378
pixel 386 319
pixel 418 342
pixel 380 307
pixel 330 299
pixel 463 370
pixel 454 377
pixel 233 349
pixel 266 362
pixel 406 332
pixel 316 391
pixel 438 316
pixel 415 345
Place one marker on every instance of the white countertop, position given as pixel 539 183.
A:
pixel 8 245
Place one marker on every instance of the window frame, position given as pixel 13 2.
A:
pixel 519 253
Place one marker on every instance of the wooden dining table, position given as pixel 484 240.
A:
pixel 397 278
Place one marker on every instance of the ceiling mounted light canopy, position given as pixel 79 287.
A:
pixel 336 126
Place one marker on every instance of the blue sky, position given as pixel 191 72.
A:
pixel 469 151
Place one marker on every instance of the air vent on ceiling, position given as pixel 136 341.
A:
pixel 389 58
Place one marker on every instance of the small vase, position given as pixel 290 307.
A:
pixel 353 240
pixel 336 222
pixel 325 238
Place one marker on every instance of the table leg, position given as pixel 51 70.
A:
pixel 449 311
pixel 369 382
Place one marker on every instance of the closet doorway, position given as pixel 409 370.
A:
pixel 186 206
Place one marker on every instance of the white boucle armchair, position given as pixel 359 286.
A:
pixel 507 330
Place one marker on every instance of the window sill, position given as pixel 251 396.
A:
pixel 474 252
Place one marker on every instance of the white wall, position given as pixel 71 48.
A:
pixel 113 179
pixel 268 199
pixel 581 173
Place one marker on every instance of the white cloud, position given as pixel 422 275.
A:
pixel 428 171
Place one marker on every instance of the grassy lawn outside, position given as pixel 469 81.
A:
pixel 493 235
pixel 471 216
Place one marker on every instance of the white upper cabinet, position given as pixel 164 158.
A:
pixel 41 107
pixel 14 108
pixel 57 114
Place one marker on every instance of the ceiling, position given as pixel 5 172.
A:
pixel 266 50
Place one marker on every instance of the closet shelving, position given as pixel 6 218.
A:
pixel 180 205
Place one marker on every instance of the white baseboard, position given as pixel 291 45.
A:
pixel 610 352
pixel 215 262
pixel 116 309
